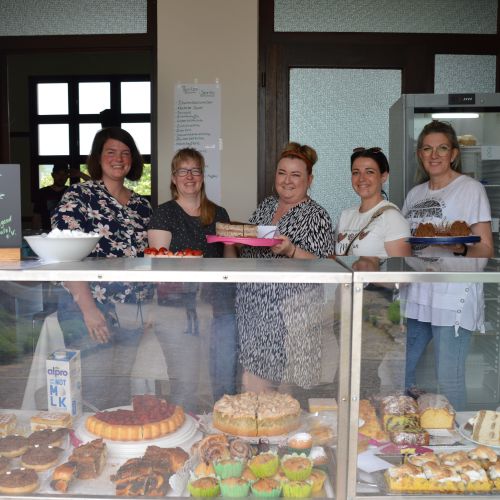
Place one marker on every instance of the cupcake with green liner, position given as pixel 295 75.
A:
pixel 204 487
pixel 297 489
pixel 266 487
pixel 248 475
pixel 300 442
pixel 296 467
pixel 264 464
pixel 317 479
pixel 229 467
pixel 319 457
pixel 234 487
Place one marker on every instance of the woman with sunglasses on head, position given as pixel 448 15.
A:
pixel 447 313
pixel 181 223
pixel 376 228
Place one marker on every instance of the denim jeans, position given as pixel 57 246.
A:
pixel 106 367
pixel 450 355
pixel 223 355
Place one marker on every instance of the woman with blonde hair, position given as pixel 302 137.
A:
pixel 184 222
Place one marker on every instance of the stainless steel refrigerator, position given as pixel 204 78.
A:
pixel 476 119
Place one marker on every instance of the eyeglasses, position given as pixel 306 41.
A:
pixel 182 172
pixel 441 150
pixel 361 149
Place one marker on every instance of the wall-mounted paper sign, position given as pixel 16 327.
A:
pixel 10 206
pixel 198 125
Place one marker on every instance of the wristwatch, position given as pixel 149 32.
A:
pixel 463 253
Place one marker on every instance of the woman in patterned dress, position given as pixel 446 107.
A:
pixel 86 311
pixel 279 323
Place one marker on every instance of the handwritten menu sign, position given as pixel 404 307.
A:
pixel 198 125
pixel 10 206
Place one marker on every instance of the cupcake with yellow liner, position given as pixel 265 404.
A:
pixel 297 489
pixel 266 487
pixel 296 467
pixel 248 475
pixel 317 479
pixel 204 487
pixel 229 467
pixel 264 464
pixel 204 469
pixel 301 442
pixel 234 487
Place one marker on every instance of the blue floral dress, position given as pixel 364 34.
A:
pixel 89 207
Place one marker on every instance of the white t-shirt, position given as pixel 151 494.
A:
pixel 462 199
pixel 446 304
pixel 389 226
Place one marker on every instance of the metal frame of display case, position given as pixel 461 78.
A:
pixel 215 270
pixel 394 271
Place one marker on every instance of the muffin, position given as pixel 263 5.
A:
pixel 319 457
pixel 234 487
pixel 317 480
pixel 300 443
pixel 204 469
pixel 264 465
pixel 280 476
pixel 266 487
pixel 204 487
pixel 231 467
pixel 248 475
pixel 297 489
pixel 296 467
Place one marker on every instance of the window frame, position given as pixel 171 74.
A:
pixel 74 118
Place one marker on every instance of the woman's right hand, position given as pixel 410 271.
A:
pixel 96 325
pixel 92 316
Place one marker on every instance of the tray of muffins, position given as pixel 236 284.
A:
pixel 233 467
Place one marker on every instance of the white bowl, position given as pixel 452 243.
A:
pixel 68 249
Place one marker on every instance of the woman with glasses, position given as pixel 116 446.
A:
pixel 184 222
pixel 280 323
pixel 375 228
pixel 447 313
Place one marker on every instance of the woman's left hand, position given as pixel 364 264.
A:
pixel 286 247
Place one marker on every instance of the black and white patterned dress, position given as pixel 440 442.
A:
pixel 280 323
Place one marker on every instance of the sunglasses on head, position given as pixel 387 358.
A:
pixel 361 149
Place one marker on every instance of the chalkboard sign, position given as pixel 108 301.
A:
pixel 10 206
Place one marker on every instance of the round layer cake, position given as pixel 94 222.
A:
pixel 249 414
pixel 150 418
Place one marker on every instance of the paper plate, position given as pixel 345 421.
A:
pixel 444 240
pixel 253 242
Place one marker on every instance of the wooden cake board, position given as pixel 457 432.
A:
pixel 10 254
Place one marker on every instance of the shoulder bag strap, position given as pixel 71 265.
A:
pixel 378 213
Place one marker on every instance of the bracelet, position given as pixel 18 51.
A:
pixel 463 253
pixel 293 253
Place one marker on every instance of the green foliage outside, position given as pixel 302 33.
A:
pixel 393 312
pixel 9 350
pixel 142 186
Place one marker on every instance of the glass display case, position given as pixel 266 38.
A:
pixel 424 387
pixel 338 328
pixel 161 329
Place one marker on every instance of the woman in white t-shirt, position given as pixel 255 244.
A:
pixel 376 227
pixel 446 313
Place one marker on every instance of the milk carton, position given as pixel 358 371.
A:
pixel 64 381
